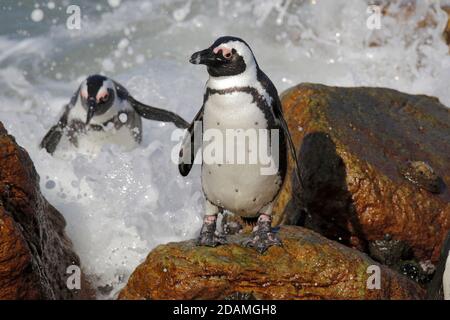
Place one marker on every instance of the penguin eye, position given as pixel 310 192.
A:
pixel 228 55
pixel 105 98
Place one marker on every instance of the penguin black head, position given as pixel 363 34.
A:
pixel 228 56
pixel 97 95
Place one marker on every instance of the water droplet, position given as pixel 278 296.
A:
pixel 50 184
pixel 37 15
pixel 114 3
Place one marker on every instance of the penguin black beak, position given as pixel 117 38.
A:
pixel 206 57
pixel 91 110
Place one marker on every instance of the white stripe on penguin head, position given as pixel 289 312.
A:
pixel 246 78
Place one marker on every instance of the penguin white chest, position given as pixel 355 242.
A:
pixel 91 141
pixel 233 175
pixel 94 140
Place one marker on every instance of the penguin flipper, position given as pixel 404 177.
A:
pixel 291 148
pixel 189 147
pixel 278 112
pixel 156 114
pixel 51 139
pixel 53 136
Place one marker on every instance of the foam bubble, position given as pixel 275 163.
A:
pixel 123 117
pixel 123 44
pixel 114 3
pixel 37 15
pixel 181 13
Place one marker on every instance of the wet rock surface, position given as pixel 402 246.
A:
pixel 375 162
pixel 308 266
pixel 388 251
pixel 423 176
pixel 34 249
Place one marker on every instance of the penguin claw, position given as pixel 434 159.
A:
pixel 207 241
pixel 263 236
pixel 211 240
pixel 221 239
pixel 261 242
pixel 208 235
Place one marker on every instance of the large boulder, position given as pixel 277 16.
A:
pixel 375 165
pixel 308 266
pixel 34 249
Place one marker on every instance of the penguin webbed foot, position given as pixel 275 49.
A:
pixel 263 236
pixel 211 240
pixel 208 235
pixel 261 242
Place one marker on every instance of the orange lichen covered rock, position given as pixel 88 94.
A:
pixel 374 162
pixel 308 266
pixel 34 249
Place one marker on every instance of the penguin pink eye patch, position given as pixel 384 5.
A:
pixel 226 52
pixel 102 95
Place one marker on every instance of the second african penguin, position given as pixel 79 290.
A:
pixel 102 109
pixel 241 98
pixel 439 288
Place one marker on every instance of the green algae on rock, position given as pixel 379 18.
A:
pixel 308 266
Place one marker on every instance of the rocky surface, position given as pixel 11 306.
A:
pixel 375 162
pixel 34 249
pixel 308 266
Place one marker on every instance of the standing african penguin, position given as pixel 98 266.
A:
pixel 103 110
pixel 239 97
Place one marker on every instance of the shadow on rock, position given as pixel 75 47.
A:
pixel 325 192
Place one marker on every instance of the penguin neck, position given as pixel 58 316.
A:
pixel 245 79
